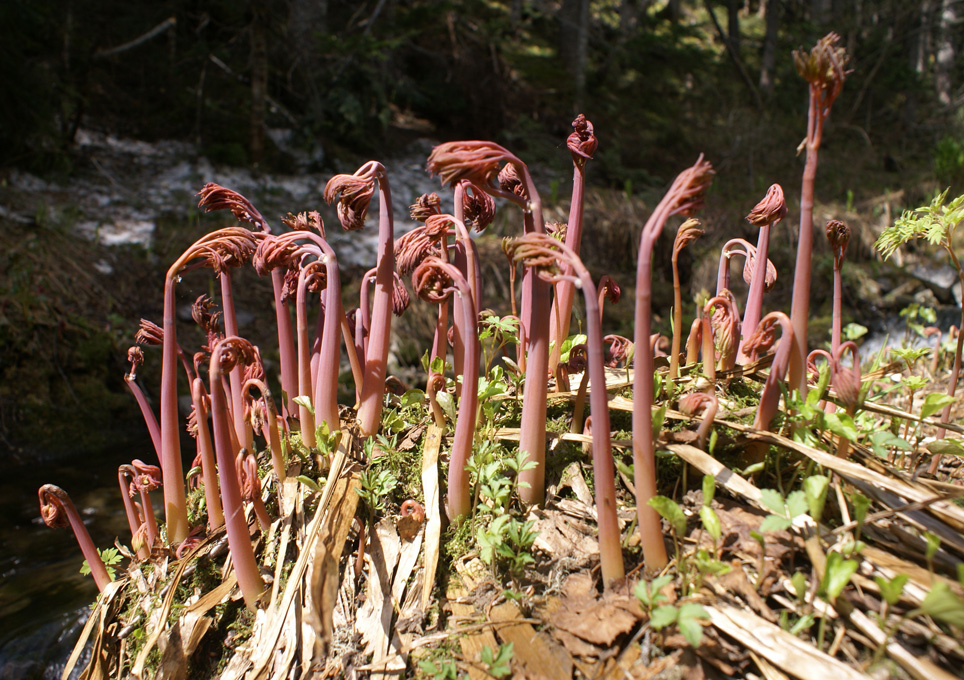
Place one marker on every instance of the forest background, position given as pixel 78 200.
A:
pixel 339 81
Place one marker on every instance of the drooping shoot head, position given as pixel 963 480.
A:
pixel 305 221
pixel 216 197
pixel 688 232
pixel 770 210
pixel 838 234
pixel 425 206
pixel 582 142
pixel 354 194
pixel 476 161
pixel 823 67
pixel 477 206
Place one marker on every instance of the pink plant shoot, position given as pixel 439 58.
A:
pixel 687 233
pixel 696 402
pixel 553 261
pixel 435 281
pixel 582 144
pixel 215 250
pixel 759 343
pixel 684 196
pixel 229 353
pixel 767 213
pixel 824 70
pixel 58 512
pixel 478 162
pixel 838 234
pixel 353 194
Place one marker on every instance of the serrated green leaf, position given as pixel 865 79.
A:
pixel 934 402
pixel 772 499
pixel 883 440
pixel 671 512
pixel 663 616
pixel 942 604
pixel 841 424
pixel 797 503
pixel 688 621
pixel 774 523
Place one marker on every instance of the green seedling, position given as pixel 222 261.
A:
pixel 498 664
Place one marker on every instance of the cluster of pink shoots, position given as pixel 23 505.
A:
pixel 232 404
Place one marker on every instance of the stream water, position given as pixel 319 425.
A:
pixel 44 599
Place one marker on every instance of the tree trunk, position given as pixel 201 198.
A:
pixel 945 53
pixel 733 24
pixel 574 44
pixel 259 84
pixel 769 58
pixel 819 11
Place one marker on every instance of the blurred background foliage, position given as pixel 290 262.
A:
pixel 662 80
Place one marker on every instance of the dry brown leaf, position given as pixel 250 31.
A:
pixel 599 620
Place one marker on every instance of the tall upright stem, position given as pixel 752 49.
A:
pixel 564 289
pixel 172 471
pixel 239 539
pixel 373 385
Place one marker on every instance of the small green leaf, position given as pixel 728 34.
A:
pixel 842 425
pixel 671 512
pixel 773 501
pixel 709 489
pixel 891 590
pixel 942 604
pixel 305 401
pixel 659 415
pixel 883 440
pixel 934 402
pixel 946 447
pixel 933 543
pixel 688 621
pixel 797 503
pixel 663 616
pixel 815 487
pixel 837 575
pixel 711 522
pixel 861 506
pixel 802 624
pixel 309 482
pixel 774 523
pixel 799 582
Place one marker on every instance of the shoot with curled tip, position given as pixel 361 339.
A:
pixel 764 215
pixel 551 260
pixel 684 196
pixel 695 402
pixel 229 353
pixel 353 194
pixel 478 162
pixel 824 68
pixel 687 233
pixel 838 234
pixel 216 250
pixel 582 144
pixel 58 512
pixel 435 280
pixel 759 343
